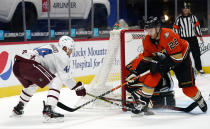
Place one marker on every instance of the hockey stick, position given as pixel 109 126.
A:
pixel 108 101
pixel 64 107
pixel 119 100
pixel 187 109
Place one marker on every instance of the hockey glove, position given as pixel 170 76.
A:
pixel 79 89
pixel 130 79
pixel 154 67
pixel 164 62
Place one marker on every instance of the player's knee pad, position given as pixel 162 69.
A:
pixel 56 83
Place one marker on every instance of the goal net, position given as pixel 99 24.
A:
pixel 124 46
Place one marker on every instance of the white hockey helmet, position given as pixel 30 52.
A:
pixel 66 41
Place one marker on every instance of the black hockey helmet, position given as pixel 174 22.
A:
pixel 152 22
pixel 186 5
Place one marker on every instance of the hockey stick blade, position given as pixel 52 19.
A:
pixel 64 107
pixel 187 109
pixel 67 108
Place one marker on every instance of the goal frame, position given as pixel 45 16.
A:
pixel 122 52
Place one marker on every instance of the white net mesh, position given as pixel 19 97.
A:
pixel 109 74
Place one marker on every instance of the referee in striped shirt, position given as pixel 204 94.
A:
pixel 188 27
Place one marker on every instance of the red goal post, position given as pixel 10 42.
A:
pixel 134 38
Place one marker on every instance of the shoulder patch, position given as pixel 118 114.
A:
pixel 166 35
pixel 55 50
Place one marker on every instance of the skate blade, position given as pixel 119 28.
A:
pixel 137 115
pixel 14 115
pixel 148 113
pixel 47 119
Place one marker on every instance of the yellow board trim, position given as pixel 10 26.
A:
pixel 205 69
pixel 16 90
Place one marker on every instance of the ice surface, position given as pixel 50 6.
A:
pixel 107 119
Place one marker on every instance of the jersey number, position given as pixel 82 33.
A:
pixel 66 69
pixel 173 43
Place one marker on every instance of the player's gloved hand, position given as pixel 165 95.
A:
pixel 164 62
pixel 130 79
pixel 79 89
pixel 154 67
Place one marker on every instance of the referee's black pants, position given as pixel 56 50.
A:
pixel 195 49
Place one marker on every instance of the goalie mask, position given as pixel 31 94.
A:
pixel 67 44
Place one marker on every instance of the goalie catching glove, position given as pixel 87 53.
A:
pixel 79 89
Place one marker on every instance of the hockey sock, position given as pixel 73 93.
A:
pixel 195 94
pixel 191 91
pixel 52 97
pixel 27 93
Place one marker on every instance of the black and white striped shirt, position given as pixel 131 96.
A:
pixel 187 26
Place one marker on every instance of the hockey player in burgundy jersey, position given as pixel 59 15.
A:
pixel 46 65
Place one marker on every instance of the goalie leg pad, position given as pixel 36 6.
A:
pixel 163 99
pixel 141 102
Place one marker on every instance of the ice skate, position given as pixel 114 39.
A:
pixel 50 116
pixel 142 110
pixel 202 104
pixel 18 110
pixel 148 112
pixel 201 72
